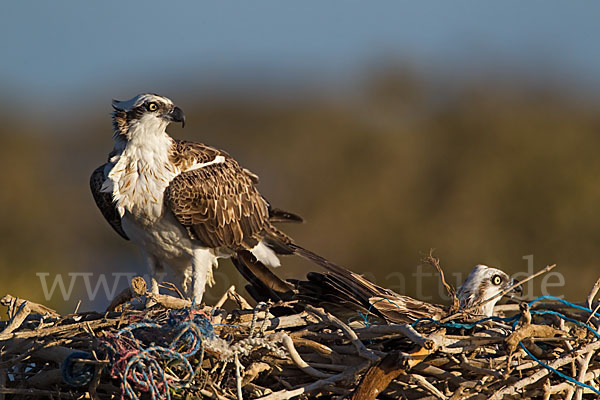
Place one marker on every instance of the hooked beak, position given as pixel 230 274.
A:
pixel 517 289
pixel 176 115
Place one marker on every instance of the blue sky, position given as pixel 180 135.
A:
pixel 61 49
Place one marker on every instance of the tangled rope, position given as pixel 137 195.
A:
pixel 140 352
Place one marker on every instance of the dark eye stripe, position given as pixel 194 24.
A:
pixel 138 111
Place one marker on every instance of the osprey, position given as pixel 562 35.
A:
pixel 184 204
pixel 484 283
pixel 346 294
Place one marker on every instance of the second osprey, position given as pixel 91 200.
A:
pixel 184 204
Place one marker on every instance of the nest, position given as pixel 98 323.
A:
pixel 163 347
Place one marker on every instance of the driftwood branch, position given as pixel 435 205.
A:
pixel 16 321
pixel 360 347
pixel 34 307
pixel 137 288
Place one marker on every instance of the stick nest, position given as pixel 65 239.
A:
pixel 163 347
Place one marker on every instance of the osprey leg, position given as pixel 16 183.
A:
pixel 156 272
pixel 203 262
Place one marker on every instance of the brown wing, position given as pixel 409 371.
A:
pixel 346 294
pixel 397 308
pixel 104 201
pixel 218 203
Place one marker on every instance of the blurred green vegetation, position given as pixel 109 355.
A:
pixel 485 173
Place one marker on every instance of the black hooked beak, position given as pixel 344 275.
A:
pixel 177 115
pixel 517 289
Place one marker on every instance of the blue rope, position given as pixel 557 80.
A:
pixel 365 316
pixel 565 302
pixel 549 368
pixel 459 325
pixel 77 374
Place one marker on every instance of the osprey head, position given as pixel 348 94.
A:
pixel 483 283
pixel 146 111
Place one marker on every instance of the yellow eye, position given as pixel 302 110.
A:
pixel 496 279
pixel 152 106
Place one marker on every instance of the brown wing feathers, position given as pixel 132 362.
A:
pixel 218 204
pixel 184 154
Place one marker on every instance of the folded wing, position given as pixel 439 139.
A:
pixel 104 201
pixel 215 199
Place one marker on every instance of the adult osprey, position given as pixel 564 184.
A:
pixel 184 204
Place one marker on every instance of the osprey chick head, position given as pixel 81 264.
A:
pixel 145 112
pixel 483 283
